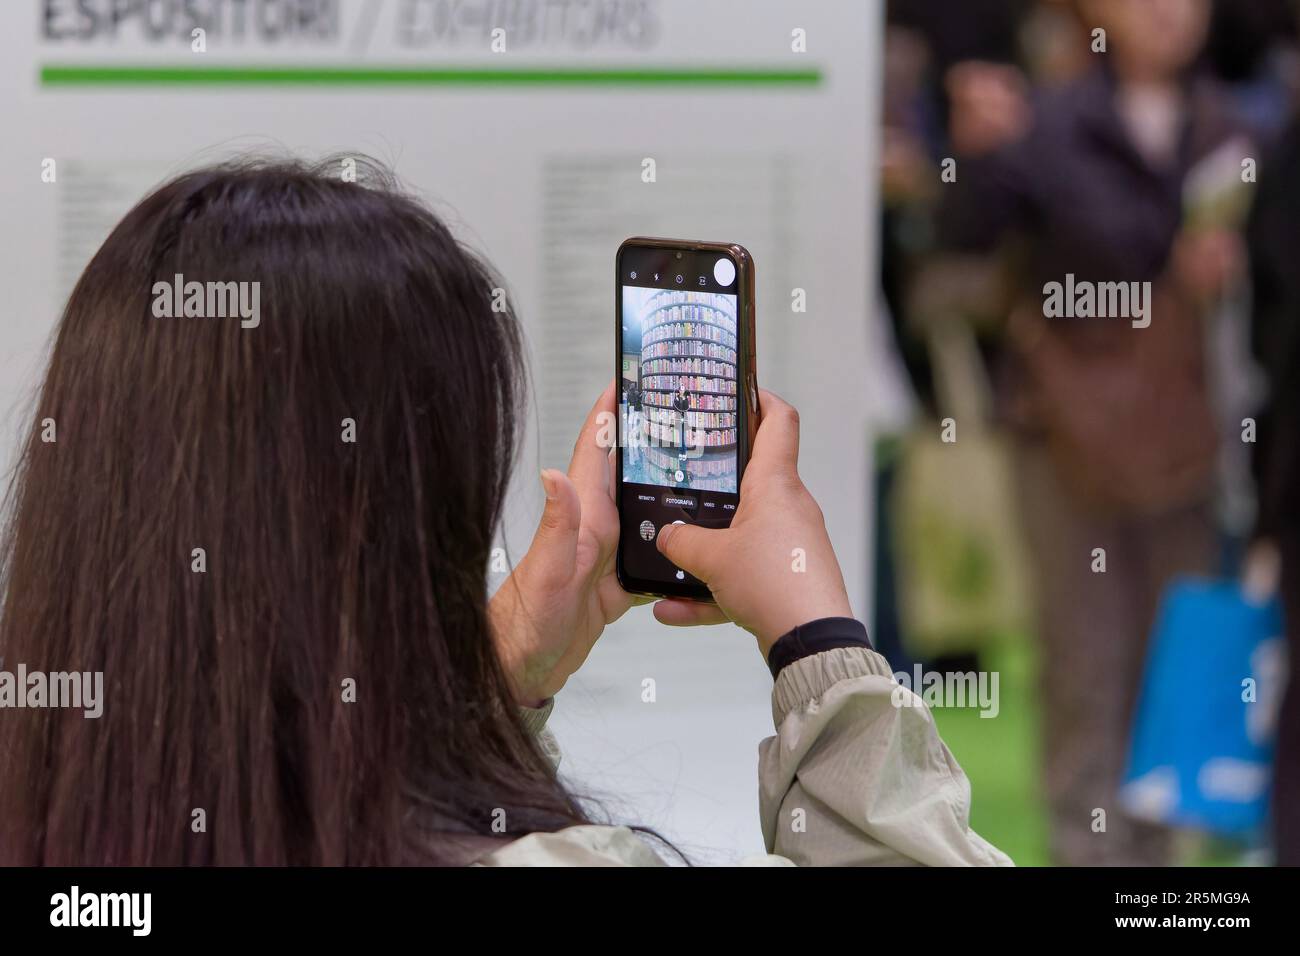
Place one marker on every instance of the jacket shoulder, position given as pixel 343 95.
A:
pixel 587 845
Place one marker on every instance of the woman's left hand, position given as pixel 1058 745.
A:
pixel 548 614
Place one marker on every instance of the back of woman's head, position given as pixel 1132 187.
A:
pixel 270 533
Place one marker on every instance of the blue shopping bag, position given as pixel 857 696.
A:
pixel 1206 719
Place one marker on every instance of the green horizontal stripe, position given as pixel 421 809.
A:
pixel 99 75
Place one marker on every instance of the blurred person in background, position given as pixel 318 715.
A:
pixel 956 80
pixel 1252 49
pixel 927 43
pixel 1116 440
pixel 1274 236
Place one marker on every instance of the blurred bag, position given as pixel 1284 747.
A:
pixel 960 558
pixel 1206 720
pixel 1127 411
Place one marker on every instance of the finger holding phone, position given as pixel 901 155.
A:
pixel 547 615
pixel 774 568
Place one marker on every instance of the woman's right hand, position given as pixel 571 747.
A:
pixel 773 569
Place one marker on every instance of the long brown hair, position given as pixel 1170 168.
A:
pixel 319 681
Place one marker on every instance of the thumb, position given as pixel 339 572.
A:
pixel 554 550
pixel 690 547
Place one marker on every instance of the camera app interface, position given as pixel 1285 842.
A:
pixel 679 399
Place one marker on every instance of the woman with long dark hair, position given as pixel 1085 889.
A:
pixel 272 540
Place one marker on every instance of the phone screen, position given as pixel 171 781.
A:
pixel 684 359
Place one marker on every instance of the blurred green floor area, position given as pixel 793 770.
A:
pixel 1000 756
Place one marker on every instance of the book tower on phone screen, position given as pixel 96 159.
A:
pixel 689 338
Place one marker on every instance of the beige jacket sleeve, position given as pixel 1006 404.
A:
pixel 856 775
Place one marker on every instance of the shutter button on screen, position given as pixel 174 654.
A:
pixel 681 575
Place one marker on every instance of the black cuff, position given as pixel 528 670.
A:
pixel 814 637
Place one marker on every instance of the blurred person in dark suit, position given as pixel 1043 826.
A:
pixel 1116 436
pixel 1274 236
pixel 1252 48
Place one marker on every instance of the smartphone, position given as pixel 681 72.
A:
pixel 687 398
